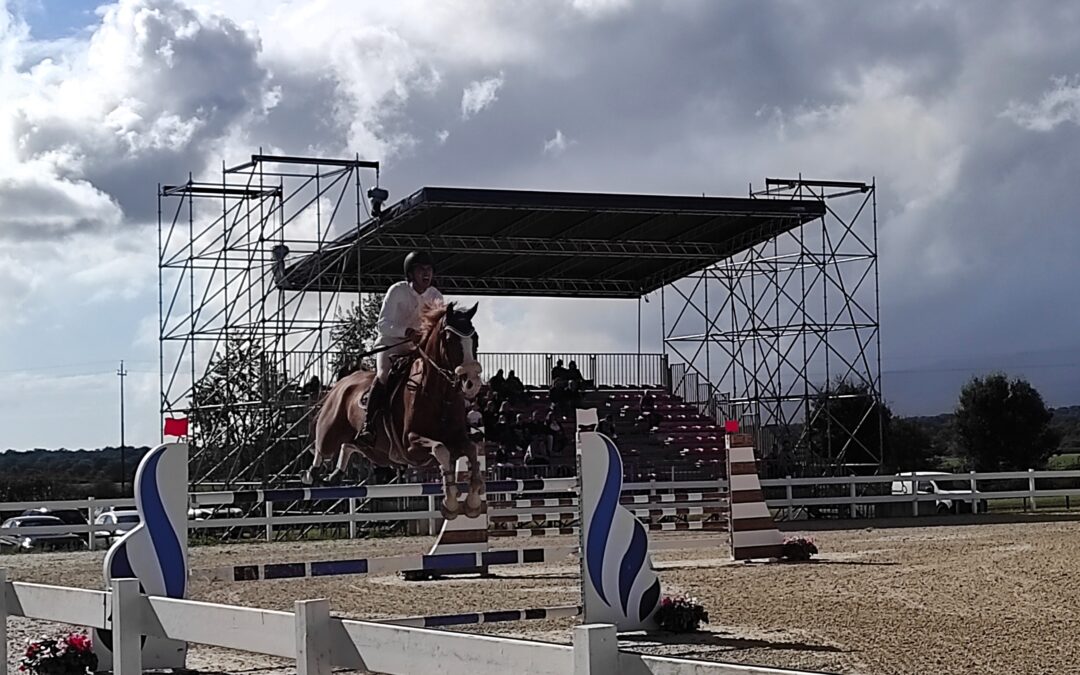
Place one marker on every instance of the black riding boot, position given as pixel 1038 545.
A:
pixel 375 405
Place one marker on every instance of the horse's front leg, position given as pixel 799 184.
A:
pixel 474 502
pixel 450 507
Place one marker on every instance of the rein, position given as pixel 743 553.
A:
pixel 447 375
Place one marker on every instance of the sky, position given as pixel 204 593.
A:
pixel 967 115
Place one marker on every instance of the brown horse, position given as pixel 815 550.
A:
pixel 425 420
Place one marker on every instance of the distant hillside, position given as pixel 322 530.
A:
pixel 66 474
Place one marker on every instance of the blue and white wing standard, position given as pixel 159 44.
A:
pixel 618 581
pixel 155 550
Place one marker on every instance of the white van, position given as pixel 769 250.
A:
pixel 955 493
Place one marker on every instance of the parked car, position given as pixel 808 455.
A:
pixel 69 516
pixel 38 542
pixel 955 493
pixel 119 522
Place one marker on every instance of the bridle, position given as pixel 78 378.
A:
pixel 450 377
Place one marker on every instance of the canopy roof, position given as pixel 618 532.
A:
pixel 554 244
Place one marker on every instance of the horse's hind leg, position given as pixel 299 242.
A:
pixel 344 455
pixel 312 474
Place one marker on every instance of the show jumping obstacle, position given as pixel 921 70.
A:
pixel 619 585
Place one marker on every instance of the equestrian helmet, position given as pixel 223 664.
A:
pixel 417 258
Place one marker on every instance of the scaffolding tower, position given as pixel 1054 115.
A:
pixel 237 351
pixel 785 336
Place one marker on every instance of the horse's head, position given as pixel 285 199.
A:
pixel 459 343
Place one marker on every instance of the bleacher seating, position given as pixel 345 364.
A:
pixel 683 445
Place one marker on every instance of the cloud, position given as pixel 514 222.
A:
pixel 442 135
pixel 557 145
pixel 1056 106
pixel 479 95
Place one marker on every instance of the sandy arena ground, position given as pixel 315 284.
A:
pixel 1001 598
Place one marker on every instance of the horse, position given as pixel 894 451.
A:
pixel 425 418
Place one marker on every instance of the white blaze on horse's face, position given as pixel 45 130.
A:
pixel 469 370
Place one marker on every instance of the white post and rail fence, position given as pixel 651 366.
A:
pixel 860 496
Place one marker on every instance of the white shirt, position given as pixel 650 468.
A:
pixel 401 309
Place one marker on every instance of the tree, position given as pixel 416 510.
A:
pixel 908 447
pixel 355 334
pixel 847 422
pixel 237 412
pixel 1003 425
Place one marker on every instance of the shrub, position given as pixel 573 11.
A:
pixel 681 615
pixel 70 655
pixel 798 548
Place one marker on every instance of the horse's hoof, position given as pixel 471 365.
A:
pixel 306 478
pixel 447 513
pixel 473 512
pixel 333 479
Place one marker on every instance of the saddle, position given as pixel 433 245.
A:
pixel 400 371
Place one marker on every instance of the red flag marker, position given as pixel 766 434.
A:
pixel 176 427
pixel 731 426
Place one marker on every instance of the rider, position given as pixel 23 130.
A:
pixel 399 327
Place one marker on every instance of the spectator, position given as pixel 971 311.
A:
pixel 649 417
pixel 476 424
pixel 559 372
pixel 559 394
pixel 538 436
pixel 607 427
pixel 497 384
pixel 515 390
pixel 574 375
pixel 554 429
pixel 574 394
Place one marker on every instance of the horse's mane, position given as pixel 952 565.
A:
pixel 431 314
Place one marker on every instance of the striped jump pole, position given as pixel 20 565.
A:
pixel 753 532
pixel 475 618
pixel 443 563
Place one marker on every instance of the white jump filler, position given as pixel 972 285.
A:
pixel 618 583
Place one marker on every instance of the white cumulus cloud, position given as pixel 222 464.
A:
pixel 480 95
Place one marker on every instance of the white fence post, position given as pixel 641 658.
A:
pixel 853 495
pixel 126 639
pixel 352 522
pixel 433 524
pixel 596 649
pixel 974 492
pixel 312 637
pixel 790 499
pixel 1031 487
pixel 915 498
pixel 269 507
pixel 3 622
pixel 91 536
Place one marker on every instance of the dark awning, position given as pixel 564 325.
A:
pixel 555 244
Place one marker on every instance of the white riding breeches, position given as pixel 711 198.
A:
pixel 382 359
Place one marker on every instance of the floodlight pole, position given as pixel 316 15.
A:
pixel 121 373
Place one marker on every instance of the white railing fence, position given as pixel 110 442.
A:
pixel 865 496
pixel 319 642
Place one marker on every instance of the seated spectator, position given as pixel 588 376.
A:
pixel 559 372
pixel 649 417
pixel 607 427
pixel 574 394
pixel 554 429
pixel 476 424
pixel 313 388
pixel 559 394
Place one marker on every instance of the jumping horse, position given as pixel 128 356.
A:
pixel 425 418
